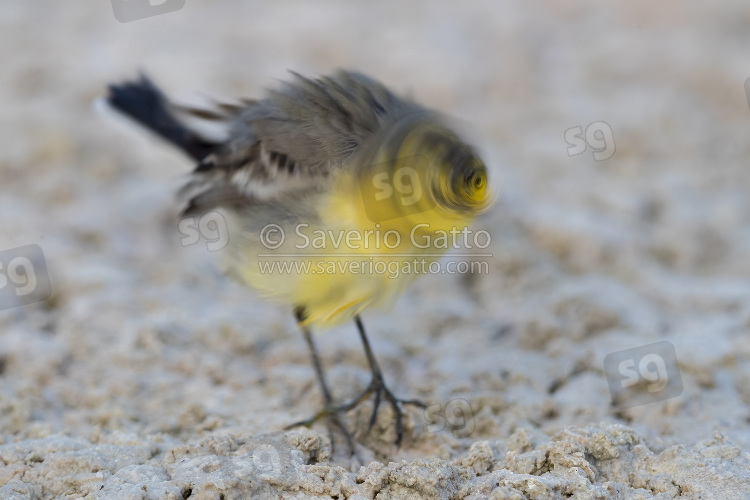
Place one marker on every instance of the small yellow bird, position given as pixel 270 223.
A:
pixel 335 191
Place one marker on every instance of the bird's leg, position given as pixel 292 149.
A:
pixel 377 386
pixel 332 413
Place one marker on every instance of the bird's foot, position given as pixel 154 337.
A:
pixel 378 388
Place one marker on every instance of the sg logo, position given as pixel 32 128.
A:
pixel 651 368
pixel 212 226
pixel 133 10
pixel 23 277
pixel 598 136
pixel 390 193
pixel 457 413
pixel 406 183
pixel 642 375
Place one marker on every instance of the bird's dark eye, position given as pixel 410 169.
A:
pixel 468 178
pixel 475 182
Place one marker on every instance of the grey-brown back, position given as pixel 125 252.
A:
pixel 293 139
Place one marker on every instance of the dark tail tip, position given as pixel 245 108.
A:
pixel 143 102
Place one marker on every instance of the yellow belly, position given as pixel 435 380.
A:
pixel 347 261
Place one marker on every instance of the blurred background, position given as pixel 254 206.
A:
pixel 616 140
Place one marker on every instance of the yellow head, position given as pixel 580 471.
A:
pixel 422 172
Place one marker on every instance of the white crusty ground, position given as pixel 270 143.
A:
pixel 149 375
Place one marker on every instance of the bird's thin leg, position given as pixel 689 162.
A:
pixel 329 411
pixel 377 386
pixel 317 365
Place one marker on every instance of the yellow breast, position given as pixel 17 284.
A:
pixel 372 238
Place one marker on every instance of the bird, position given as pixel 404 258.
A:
pixel 334 189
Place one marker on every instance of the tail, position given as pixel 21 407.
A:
pixel 142 101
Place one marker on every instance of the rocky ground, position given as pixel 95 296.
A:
pixel 617 143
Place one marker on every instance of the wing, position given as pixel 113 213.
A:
pixel 293 140
pixel 241 173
